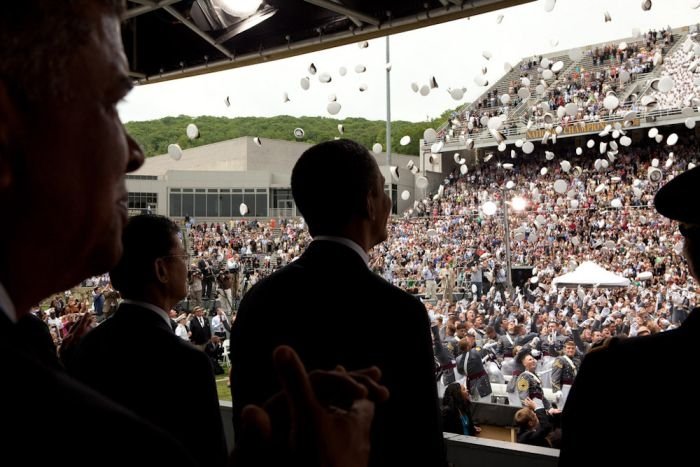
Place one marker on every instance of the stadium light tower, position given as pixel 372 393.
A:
pixel 489 208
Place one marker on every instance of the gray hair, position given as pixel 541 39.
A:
pixel 39 38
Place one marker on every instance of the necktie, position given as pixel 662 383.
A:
pixel 201 322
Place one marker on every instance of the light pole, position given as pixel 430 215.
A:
pixel 489 208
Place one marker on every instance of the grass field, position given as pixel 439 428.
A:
pixel 223 390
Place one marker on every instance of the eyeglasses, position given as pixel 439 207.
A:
pixel 185 258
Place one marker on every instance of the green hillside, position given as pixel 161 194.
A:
pixel 155 135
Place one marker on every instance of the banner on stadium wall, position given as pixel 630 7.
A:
pixel 575 128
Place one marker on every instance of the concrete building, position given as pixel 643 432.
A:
pixel 212 182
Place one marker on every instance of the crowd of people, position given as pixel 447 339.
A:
pixel 315 378
pixel 613 67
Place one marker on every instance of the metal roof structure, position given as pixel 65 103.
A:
pixel 171 39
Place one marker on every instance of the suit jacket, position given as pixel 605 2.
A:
pixel 627 393
pixel 200 334
pixel 45 410
pixel 332 310
pixel 136 359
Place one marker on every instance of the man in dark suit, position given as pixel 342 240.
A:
pixel 333 310
pixel 200 329
pixel 637 372
pixel 136 359
pixel 48 47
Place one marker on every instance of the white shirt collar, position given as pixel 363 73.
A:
pixel 348 243
pixel 6 304
pixel 157 310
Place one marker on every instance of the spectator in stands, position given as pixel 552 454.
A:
pixel 347 215
pixel 456 411
pixel 624 365
pixel 138 344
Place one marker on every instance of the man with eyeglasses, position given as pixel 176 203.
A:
pixel 632 378
pixel 137 360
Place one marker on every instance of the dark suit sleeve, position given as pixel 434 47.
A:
pixel 252 379
pixel 417 406
pixel 581 430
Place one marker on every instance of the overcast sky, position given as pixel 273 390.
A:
pixel 450 52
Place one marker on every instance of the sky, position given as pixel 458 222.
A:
pixel 451 52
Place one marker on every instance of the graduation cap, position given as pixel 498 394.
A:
pixel 312 69
pixel 333 108
pixel 257 141
pixel 654 174
pixel 394 172
pixel 429 135
pixel 175 151
pixel 298 133
pixel 560 186
pixel 192 131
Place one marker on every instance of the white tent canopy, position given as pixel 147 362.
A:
pixel 589 274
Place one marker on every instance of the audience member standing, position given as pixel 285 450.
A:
pixel 137 360
pixel 199 328
pixel 318 305
pixel 626 367
pixel 63 159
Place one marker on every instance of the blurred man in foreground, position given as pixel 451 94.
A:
pixel 647 404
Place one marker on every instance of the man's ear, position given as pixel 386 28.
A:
pixel 161 271
pixel 9 125
pixel 370 207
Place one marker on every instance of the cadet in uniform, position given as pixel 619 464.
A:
pixel 470 365
pixel 565 367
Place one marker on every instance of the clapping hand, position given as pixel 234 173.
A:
pixel 322 418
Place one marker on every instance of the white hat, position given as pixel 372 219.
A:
pixel 175 151
pixel 192 131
